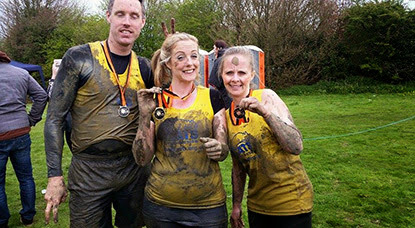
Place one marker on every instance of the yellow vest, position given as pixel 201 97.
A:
pixel 95 108
pixel 278 182
pixel 182 175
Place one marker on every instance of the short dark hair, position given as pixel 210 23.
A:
pixel 4 58
pixel 221 44
pixel 111 4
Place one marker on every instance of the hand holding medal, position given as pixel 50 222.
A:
pixel 146 100
pixel 253 105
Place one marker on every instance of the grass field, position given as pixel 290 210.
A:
pixel 358 155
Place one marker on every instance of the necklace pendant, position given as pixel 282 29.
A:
pixel 123 111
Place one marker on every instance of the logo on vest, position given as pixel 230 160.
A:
pixel 244 146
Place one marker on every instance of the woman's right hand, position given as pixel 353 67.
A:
pixel 236 218
pixel 146 100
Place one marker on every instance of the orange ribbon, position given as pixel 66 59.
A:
pixel 121 88
pixel 237 121
pixel 170 94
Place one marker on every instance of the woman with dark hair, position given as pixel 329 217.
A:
pixel 215 80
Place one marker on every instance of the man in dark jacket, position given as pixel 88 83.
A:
pixel 15 123
pixel 215 80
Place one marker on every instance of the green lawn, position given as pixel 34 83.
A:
pixel 365 179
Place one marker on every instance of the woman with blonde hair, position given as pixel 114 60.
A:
pixel 265 144
pixel 182 132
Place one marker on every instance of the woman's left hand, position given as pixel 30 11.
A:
pixel 252 104
pixel 212 147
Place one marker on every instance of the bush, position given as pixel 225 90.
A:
pixel 379 41
pixel 349 85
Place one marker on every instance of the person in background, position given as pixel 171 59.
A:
pixel 98 83
pixel 67 125
pixel 214 79
pixel 15 123
pixel 265 144
pixel 183 133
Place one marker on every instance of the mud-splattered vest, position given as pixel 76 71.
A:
pixel 278 183
pixel 182 175
pixel 95 108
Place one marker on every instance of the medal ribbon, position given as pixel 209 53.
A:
pixel 121 88
pixel 237 121
pixel 171 95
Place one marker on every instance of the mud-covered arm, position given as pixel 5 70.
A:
pixel 279 119
pixel 144 143
pixel 238 187
pixel 62 97
pixel 216 147
pixel 220 132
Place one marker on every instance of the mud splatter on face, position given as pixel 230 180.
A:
pixel 235 61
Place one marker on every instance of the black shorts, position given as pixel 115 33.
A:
pixel 98 183
pixel 257 220
pixel 158 216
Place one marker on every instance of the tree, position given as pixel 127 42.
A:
pixel 296 35
pixel 151 36
pixel 379 40
pixel 198 17
pixel 27 25
pixel 73 31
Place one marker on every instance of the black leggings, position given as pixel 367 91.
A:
pixel 257 220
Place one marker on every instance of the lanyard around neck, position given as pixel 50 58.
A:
pixel 109 60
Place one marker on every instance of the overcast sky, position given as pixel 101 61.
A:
pixel 92 6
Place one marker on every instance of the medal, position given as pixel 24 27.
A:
pixel 159 113
pixel 161 103
pixel 239 113
pixel 123 111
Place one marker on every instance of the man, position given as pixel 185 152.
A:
pixel 15 85
pixel 98 83
pixel 67 125
pixel 215 80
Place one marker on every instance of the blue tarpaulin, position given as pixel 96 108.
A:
pixel 31 68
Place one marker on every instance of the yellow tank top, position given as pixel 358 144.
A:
pixel 278 182
pixel 182 175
